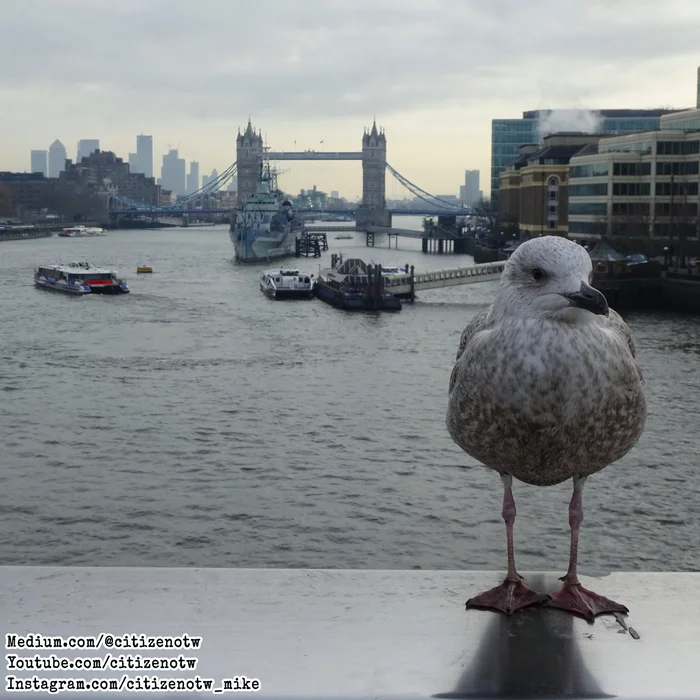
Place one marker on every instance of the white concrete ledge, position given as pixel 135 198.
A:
pixel 361 634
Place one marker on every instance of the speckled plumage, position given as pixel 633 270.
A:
pixel 540 389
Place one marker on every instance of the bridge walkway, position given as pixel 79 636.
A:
pixel 404 284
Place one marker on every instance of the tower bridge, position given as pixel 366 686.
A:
pixel 251 152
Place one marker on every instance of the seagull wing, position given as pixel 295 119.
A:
pixel 477 323
pixel 619 327
pixel 473 327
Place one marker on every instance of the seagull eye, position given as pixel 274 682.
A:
pixel 537 274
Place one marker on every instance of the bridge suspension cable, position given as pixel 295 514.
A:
pixel 187 201
pixel 422 194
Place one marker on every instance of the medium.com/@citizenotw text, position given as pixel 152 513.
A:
pixel 28 655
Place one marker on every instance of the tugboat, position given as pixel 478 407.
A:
pixel 286 284
pixel 79 278
pixel 354 286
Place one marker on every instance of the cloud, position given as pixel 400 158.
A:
pixel 335 58
pixel 435 72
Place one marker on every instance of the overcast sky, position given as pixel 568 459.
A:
pixel 435 72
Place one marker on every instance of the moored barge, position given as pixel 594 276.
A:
pixel 355 286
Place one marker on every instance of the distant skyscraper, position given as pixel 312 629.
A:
pixel 469 192
pixel 206 179
pixel 134 165
pixel 57 158
pixel 334 194
pixel 173 174
pixel 39 162
pixel 193 177
pixel 233 184
pixel 144 152
pixel 86 147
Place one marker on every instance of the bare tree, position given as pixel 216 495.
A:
pixel 76 202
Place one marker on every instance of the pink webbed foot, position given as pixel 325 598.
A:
pixel 507 598
pixel 574 598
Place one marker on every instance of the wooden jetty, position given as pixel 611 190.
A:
pixel 311 244
pixel 447 236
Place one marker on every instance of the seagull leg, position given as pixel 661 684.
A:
pixel 512 595
pixel 572 596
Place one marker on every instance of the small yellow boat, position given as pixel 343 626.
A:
pixel 144 268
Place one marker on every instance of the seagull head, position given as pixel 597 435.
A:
pixel 550 277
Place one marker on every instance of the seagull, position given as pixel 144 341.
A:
pixel 546 388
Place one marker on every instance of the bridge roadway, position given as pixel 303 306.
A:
pixel 405 232
pixel 313 155
pixel 356 634
pixel 174 210
pixel 400 285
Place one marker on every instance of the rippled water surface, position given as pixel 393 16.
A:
pixel 196 423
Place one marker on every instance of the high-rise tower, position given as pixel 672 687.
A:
pixel 173 173
pixel 249 153
pixel 193 177
pixel 39 162
pixel 373 210
pixel 57 158
pixel 469 192
pixel 144 154
pixel 86 147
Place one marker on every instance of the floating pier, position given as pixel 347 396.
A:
pixel 353 285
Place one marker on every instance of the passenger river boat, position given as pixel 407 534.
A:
pixel 286 284
pixel 81 231
pixel 79 278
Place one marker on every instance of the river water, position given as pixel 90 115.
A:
pixel 194 422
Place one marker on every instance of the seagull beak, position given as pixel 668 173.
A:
pixel 590 299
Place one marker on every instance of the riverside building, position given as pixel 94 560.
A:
pixel 639 184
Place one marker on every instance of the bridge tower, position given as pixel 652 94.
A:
pixel 249 153
pixel 373 211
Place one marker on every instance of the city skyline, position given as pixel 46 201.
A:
pixel 433 73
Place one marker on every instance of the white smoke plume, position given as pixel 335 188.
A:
pixel 557 120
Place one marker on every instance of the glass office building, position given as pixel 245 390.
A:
pixel 640 183
pixel 507 135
